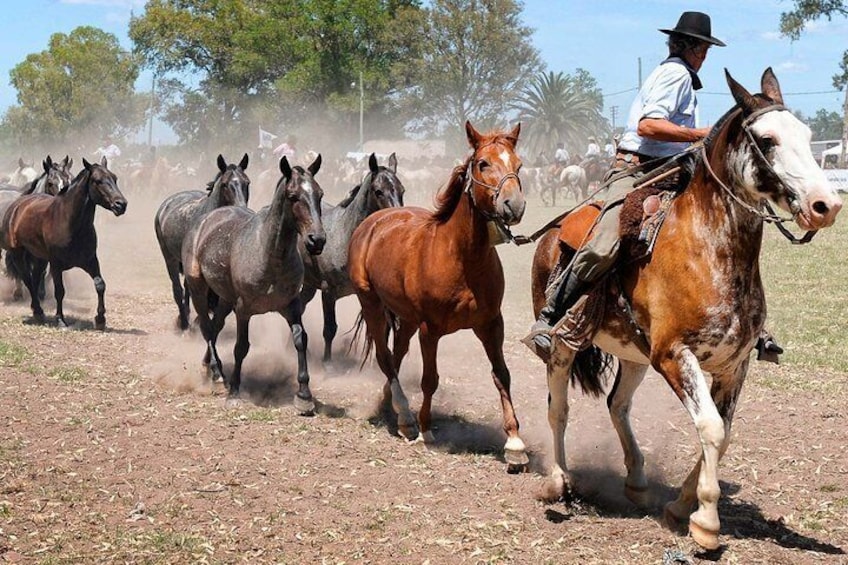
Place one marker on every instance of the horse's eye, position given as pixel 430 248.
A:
pixel 482 164
pixel 379 193
pixel 766 144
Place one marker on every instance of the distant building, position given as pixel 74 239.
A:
pixel 818 147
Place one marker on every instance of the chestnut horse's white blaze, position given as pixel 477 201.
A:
pixel 699 301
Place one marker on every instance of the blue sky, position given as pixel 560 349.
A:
pixel 604 37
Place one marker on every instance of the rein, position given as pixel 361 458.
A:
pixel 496 191
pixel 769 215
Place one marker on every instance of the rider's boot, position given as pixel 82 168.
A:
pixel 767 348
pixel 561 299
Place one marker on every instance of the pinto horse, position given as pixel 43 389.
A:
pixel 180 211
pixel 38 229
pixel 381 188
pixel 438 272
pixel 248 262
pixel 697 305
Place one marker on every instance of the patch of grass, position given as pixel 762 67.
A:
pixel 261 415
pixel 5 510
pixel 829 488
pixel 805 294
pixel 68 375
pixel 12 355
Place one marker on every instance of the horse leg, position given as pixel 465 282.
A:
pixel 402 336
pixel 378 330
pixel 208 329
pixel 684 373
pixel 619 401
pixel 211 360
pixel 93 270
pixel 492 337
pixel 560 484
pixel 177 291
pixel 429 380
pixel 59 294
pixel 328 306
pixel 239 353
pixel 303 401
pixel 25 265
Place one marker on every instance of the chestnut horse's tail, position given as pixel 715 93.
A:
pixel 358 328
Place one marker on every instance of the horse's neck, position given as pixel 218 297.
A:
pixel 731 230
pixel 468 227
pixel 76 204
pixel 279 229
pixel 357 210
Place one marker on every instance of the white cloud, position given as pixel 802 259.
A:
pixel 128 4
pixel 771 36
pixel 792 67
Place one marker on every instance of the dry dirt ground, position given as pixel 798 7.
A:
pixel 115 449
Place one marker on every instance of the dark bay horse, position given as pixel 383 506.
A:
pixel 56 176
pixel 697 304
pixel 328 272
pixel 248 262
pixel 180 211
pixel 438 272
pixel 38 229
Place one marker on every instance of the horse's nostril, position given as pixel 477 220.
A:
pixel 820 207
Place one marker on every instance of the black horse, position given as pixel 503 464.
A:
pixel 180 211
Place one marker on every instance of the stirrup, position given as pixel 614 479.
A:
pixel 540 341
pixel 768 351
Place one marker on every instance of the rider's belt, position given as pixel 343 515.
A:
pixel 631 157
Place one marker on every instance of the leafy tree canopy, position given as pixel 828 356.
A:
pixel 82 84
pixel 792 23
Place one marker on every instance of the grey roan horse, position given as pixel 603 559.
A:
pixel 237 259
pixel 180 211
pixel 38 229
pixel 380 188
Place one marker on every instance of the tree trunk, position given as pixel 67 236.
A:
pixel 842 162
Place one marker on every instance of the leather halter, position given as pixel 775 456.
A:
pixel 793 198
pixel 495 192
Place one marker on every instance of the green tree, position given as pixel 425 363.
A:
pixel 82 85
pixel 560 108
pixel 478 56
pixel 241 63
pixel 793 22
pixel 825 125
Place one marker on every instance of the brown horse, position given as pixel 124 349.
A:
pixel 438 272
pixel 697 304
pixel 38 229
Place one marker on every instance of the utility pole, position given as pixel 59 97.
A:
pixel 842 162
pixel 152 104
pixel 613 112
pixel 640 72
pixel 361 110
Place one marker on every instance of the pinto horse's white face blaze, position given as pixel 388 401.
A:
pixel 789 176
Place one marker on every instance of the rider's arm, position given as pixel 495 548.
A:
pixel 663 130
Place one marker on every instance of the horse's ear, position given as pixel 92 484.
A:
pixel 472 134
pixel 69 163
pixel 771 87
pixel 372 163
pixel 47 164
pixel 285 168
pixel 513 135
pixel 243 163
pixel 315 166
pixel 222 165
pixel 103 162
pixel 21 162
pixel 86 164
pixel 393 163
pixel 744 98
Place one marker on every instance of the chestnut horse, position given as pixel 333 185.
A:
pixel 438 272
pixel 180 211
pixel 38 229
pixel 248 262
pixel 697 305
pixel 381 188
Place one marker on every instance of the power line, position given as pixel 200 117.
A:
pixel 621 92
pixel 785 93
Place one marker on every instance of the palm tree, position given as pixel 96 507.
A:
pixel 560 108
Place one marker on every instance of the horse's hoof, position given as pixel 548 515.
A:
pixel 516 461
pixel 304 406
pixel 707 539
pixel 640 496
pixel 409 430
pixel 233 402
pixel 553 490
pixel 100 324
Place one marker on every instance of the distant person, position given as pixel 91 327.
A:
pixel 109 149
pixel 286 148
pixel 593 152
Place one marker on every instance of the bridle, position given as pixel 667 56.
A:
pixel 768 215
pixel 495 191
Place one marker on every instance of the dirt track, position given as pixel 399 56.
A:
pixel 114 449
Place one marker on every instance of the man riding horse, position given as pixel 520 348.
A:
pixel 660 125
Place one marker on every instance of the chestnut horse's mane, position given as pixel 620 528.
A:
pixel 448 197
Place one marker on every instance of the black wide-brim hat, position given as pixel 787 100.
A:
pixel 697 25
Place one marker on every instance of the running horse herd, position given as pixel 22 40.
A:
pixel 693 305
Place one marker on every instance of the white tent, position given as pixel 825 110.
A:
pixel 835 150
